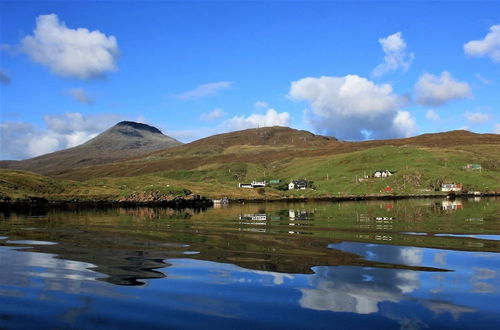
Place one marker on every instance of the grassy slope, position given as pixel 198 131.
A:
pixel 419 170
pixel 22 184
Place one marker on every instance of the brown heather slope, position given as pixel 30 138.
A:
pixel 124 140
pixel 258 145
pixel 438 140
pixel 263 146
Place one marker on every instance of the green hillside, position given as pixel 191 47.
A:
pixel 418 170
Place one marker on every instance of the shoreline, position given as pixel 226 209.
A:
pixel 202 202
pixel 349 198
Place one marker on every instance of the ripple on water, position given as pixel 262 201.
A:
pixel 478 236
pixel 190 252
pixel 30 242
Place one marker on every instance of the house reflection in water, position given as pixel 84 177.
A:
pixel 300 214
pixel 254 216
pixel 451 205
pixel 375 222
pixel 262 222
pixel 292 214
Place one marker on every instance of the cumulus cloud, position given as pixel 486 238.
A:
pixel 476 117
pixel 438 90
pixel 19 140
pixel 404 124
pixel 14 139
pixel 5 78
pixel 77 122
pixel 396 57
pixel 213 115
pixel 270 118
pixel 432 115
pixel 353 107
pixel 204 90
pixel 80 95
pixel 496 129
pixel 489 46
pixel 77 53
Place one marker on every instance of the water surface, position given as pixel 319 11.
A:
pixel 397 265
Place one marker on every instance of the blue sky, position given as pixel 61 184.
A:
pixel 354 70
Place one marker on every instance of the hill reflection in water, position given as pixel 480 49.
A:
pixel 129 245
pixel 405 264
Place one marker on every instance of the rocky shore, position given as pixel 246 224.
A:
pixel 177 202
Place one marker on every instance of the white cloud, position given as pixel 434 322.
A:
pixel 213 115
pixel 404 124
pixel 204 90
pixel 343 289
pixel 483 79
pixel 476 117
pixel 77 122
pixel 78 53
pixel 432 115
pixel 395 57
pixel 270 118
pixel 43 144
pixel 261 104
pixel 353 107
pixel 278 278
pixel 19 140
pixel 489 46
pixel 438 90
pixel 14 138
pixel 5 78
pixel 496 129
pixel 411 256
pixel 80 95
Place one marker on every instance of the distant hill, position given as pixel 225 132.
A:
pixel 250 145
pixel 275 147
pixel 124 140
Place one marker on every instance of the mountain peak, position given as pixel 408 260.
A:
pixel 126 139
pixel 139 126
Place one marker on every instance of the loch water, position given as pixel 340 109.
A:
pixel 409 264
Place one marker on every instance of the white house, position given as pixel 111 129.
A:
pixel 382 174
pixel 254 184
pixel 298 184
pixel 451 187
